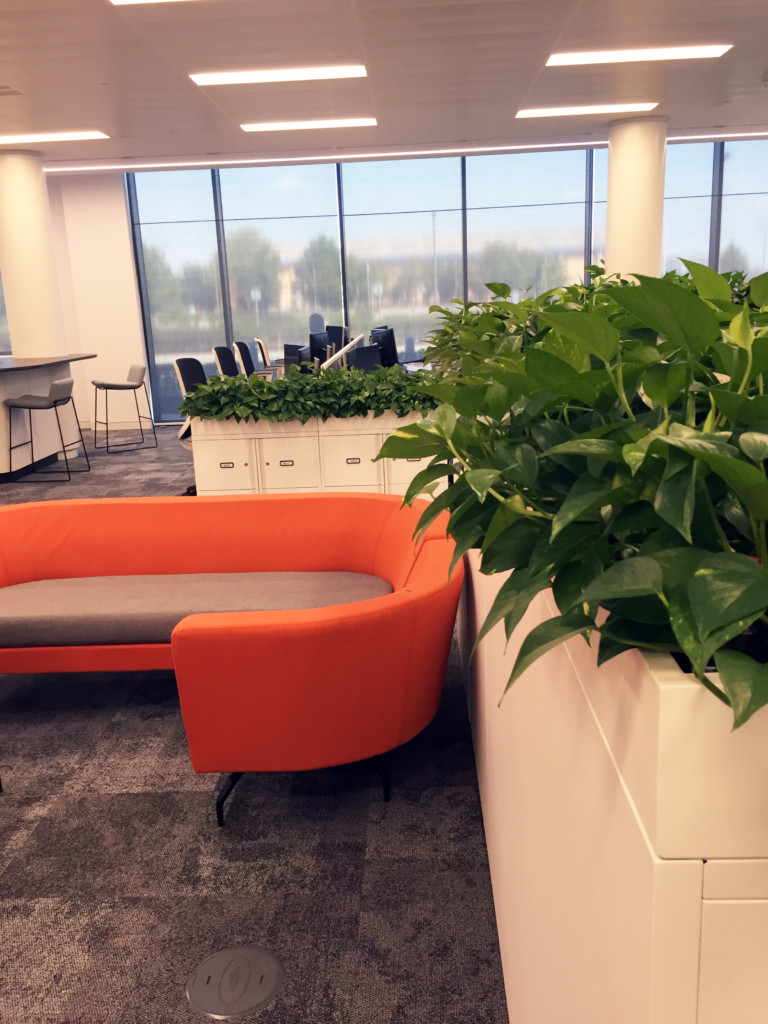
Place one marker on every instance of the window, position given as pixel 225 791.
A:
pixel 402 226
pixel 687 204
pixel 599 203
pixel 525 220
pixel 744 228
pixel 283 258
pixel 274 236
pixel 182 293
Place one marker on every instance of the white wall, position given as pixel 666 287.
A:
pixel 94 258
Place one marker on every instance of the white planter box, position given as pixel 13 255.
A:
pixel 252 457
pixel 627 832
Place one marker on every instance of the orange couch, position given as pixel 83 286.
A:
pixel 262 690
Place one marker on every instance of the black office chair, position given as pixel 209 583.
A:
pixel 318 345
pixel 225 361
pixel 338 337
pixel 59 394
pixel 244 357
pixel 247 365
pixel 384 337
pixel 136 379
pixel 366 358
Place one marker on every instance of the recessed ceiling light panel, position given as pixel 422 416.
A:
pixel 135 3
pixel 279 75
pixel 15 140
pixel 627 56
pixel 288 126
pixel 603 108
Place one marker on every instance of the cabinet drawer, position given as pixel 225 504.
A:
pixel 402 471
pixel 289 463
pixel 225 465
pixel 347 460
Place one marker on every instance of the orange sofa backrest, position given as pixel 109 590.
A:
pixel 357 532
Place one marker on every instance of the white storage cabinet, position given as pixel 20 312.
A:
pixel 261 457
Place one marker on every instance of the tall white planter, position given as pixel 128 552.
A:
pixel 254 457
pixel 627 832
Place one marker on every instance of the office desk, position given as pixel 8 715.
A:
pixel 31 376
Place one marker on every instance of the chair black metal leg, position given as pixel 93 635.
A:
pixel 149 416
pixel 63 446
pixel 227 784
pixel 82 440
pixel 380 764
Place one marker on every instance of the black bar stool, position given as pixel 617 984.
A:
pixel 135 381
pixel 60 394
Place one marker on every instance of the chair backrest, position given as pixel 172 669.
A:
pixel 265 357
pixel 189 373
pixel 136 373
pixel 367 358
pixel 61 390
pixel 318 345
pixel 316 322
pixel 225 361
pixel 291 355
pixel 244 357
pixel 385 339
pixel 337 336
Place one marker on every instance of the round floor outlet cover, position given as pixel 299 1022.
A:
pixel 234 982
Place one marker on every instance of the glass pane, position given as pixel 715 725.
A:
pixel 5 337
pixel 688 169
pixel 744 228
pixel 249 193
pixel 599 204
pixel 182 276
pixel 687 204
pixel 402 223
pixel 169 196
pixel 525 221
pixel 685 234
pixel 282 239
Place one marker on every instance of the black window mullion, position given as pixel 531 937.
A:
pixel 589 208
pixel 226 304
pixel 141 274
pixel 342 245
pixel 716 209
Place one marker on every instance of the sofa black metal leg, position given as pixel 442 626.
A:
pixel 226 783
pixel 380 764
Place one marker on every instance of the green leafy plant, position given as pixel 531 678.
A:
pixel 300 396
pixel 609 441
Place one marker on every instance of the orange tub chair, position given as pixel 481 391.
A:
pixel 281 690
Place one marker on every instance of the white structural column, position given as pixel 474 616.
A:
pixel 30 286
pixel 636 157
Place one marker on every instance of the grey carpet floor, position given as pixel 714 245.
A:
pixel 115 881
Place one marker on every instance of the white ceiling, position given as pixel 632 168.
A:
pixel 441 73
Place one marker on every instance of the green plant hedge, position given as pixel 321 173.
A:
pixel 300 396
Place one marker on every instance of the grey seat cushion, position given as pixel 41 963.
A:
pixel 144 609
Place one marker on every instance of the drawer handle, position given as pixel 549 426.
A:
pixel 226 465
pixel 353 462
pixel 413 460
pixel 286 462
